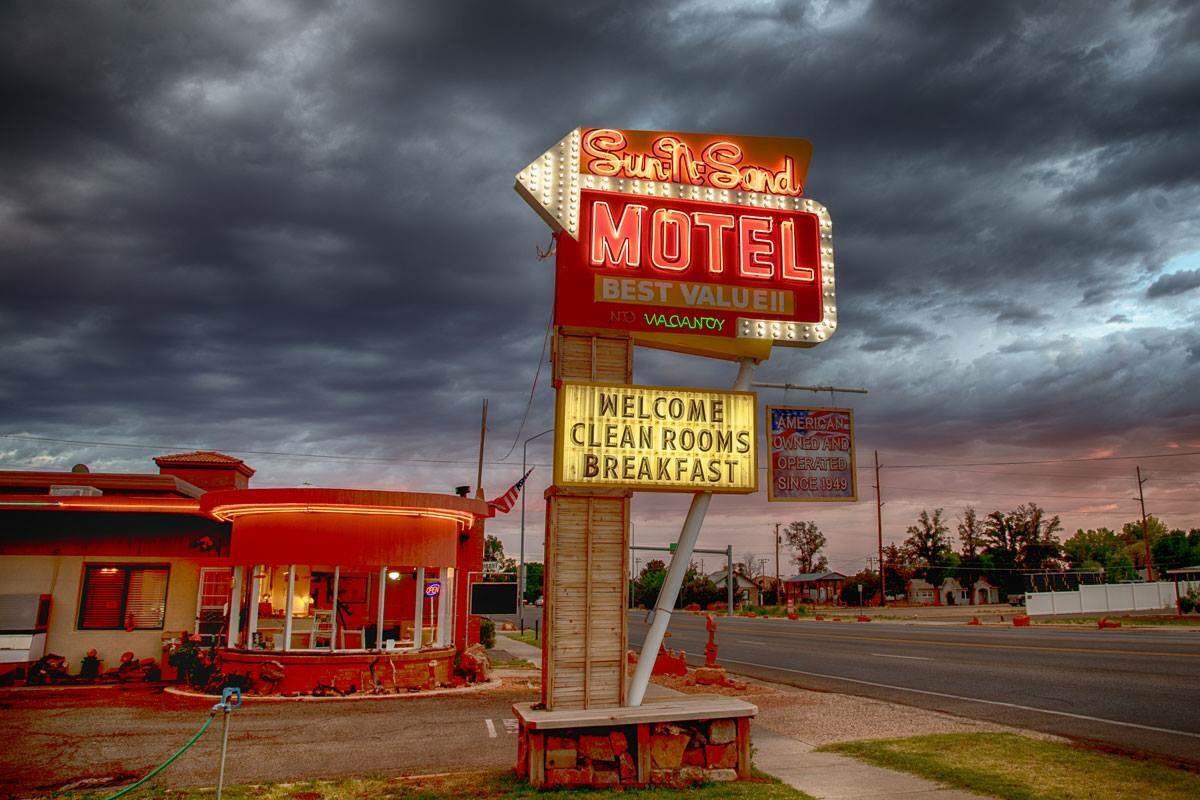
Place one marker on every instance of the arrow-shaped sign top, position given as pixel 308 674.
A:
pixel 551 184
pixel 754 171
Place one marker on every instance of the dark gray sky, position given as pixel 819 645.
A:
pixel 291 227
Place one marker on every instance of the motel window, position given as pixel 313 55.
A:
pixel 116 596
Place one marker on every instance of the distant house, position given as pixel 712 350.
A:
pixel 984 593
pixel 744 589
pixel 814 587
pixel 921 592
pixel 952 593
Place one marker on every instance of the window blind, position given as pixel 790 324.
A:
pixel 146 601
pixel 103 596
pixel 123 596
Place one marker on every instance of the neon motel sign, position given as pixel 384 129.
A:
pixel 691 242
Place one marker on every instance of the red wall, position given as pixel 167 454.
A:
pixel 470 565
pixel 219 477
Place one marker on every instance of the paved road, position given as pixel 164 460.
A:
pixel 1134 689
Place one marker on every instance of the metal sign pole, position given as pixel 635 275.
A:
pixel 729 580
pixel 660 617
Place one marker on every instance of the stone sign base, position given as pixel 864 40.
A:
pixel 675 743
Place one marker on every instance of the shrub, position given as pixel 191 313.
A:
pixel 487 633
pixel 1187 603
pixel 194 666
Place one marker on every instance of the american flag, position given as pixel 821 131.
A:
pixel 504 503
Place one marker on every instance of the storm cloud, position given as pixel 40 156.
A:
pixel 290 227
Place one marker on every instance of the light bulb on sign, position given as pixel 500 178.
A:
pixel 393 575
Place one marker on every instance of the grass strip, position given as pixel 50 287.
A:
pixel 527 637
pixel 1014 767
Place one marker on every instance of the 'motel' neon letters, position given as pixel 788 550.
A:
pixel 763 247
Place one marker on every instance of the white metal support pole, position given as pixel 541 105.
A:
pixel 419 619
pixel 235 608
pixel 255 593
pixel 287 608
pixel 661 616
pixel 379 617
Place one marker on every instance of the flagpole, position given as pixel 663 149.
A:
pixel 521 567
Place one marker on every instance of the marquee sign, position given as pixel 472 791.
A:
pixel 692 242
pixel 811 454
pixel 655 438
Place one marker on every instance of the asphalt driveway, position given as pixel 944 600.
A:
pixel 57 737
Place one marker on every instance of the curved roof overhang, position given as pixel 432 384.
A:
pixel 343 526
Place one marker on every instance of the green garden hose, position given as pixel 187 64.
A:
pixel 168 762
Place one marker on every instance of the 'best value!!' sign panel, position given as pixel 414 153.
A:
pixel 654 438
pixel 812 454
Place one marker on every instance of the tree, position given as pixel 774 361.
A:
pixel 1131 533
pixel 1039 547
pixel 1119 568
pixel 534 573
pixel 748 566
pixel 493 550
pixel 806 541
pixel 895 570
pixel 700 589
pixel 970 534
pixel 1020 541
pixel 648 583
pixel 1095 545
pixel 1175 550
pixel 928 546
pixel 868 579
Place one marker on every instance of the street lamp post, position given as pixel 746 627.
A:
pixel 521 567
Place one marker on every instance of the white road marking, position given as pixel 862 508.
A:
pixel 911 658
pixel 491 728
pixel 510 725
pixel 972 699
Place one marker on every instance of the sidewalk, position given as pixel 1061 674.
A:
pixel 517 649
pixel 829 776
pixel 826 776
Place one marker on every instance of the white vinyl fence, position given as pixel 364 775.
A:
pixel 1106 597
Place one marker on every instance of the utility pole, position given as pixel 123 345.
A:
pixel 482 441
pixel 1145 528
pixel 879 529
pixel 776 563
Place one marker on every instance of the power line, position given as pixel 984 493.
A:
pixel 275 453
pixel 533 388
pixel 1071 475
pixel 953 465
pixel 1003 494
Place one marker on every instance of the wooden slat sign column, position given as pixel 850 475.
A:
pixel 586 605
pixel 584 632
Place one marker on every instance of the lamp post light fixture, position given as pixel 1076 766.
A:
pixel 524 491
